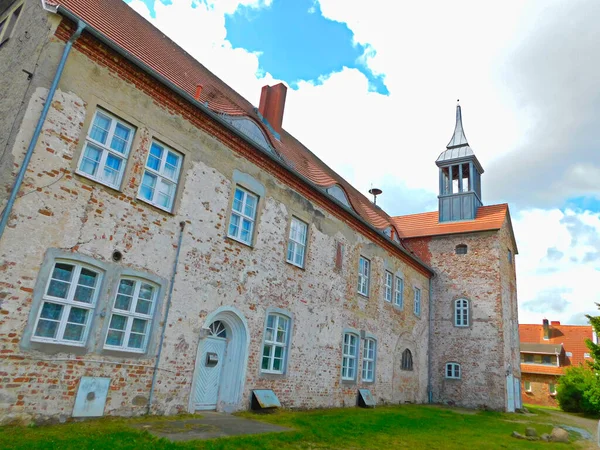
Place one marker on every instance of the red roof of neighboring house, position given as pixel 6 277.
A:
pixel 572 338
pixel 130 31
pixel 427 224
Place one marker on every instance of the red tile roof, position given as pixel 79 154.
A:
pixel 130 31
pixel 427 224
pixel 572 337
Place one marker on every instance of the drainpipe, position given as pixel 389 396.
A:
pixel 429 386
pixel 38 128
pixel 164 328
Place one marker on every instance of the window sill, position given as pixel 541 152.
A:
pixel 293 264
pixel 348 382
pixel 95 180
pixel 154 205
pixel 123 353
pixel 453 378
pixel 54 348
pixel 272 375
pixel 245 244
pixel 362 295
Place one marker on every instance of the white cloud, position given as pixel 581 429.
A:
pixel 430 55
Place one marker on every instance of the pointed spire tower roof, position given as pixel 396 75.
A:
pixel 458 149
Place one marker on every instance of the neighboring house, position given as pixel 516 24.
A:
pixel 546 351
pixel 172 248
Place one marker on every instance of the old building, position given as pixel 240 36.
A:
pixel 546 351
pixel 165 246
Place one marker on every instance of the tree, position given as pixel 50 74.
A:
pixel 594 348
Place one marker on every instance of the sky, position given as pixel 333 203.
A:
pixel 372 91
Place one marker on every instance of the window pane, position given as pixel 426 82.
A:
pixel 143 307
pixel 112 169
pixel 147 187
pixel 122 302
pixel 115 338
pixel 250 206
pixel 73 332
pixel 120 139
pixel 246 233
pixel 91 159
pixel 51 311
pixel 62 272
pixel 99 131
pixel 234 225
pixel 136 341
pixel 238 200
pixel 118 322
pixel 126 287
pixel 154 157
pixel 84 294
pixel 139 326
pixel 171 165
pixel 58 289
pixel 78 315
pixel 46 329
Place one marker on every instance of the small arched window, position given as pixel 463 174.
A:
pixel 453 370
pixel 461 312
pixel 407 362
pixel 461 249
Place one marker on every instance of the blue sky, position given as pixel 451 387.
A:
pixel 294 41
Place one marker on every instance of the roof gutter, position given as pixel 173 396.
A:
pixel 190 98
pixel 38 128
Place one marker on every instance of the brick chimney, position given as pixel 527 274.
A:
pixel 555 323
pixel 546 329
pixel 272 103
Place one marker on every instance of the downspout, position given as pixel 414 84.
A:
pixel 164 328
pixel 38 128
pixel 429 386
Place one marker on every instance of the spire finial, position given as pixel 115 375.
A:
pixel 458 138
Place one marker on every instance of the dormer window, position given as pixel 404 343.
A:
pixel 338 193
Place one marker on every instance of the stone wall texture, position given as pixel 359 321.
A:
pixel 59 210
pixel 489 347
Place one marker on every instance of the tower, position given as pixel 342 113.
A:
pixel 460 177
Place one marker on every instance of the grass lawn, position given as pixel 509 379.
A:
pixel 410 427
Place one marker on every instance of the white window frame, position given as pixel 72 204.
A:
pixel 399 293
pixel 527 386
pixel 242 216
pixel 461 313
pixel 368 361
pixel 349 360
pixel 297 242
pixel 67 304
pixel 364 275
pixel 417 301
pixel 131 315
pixel 389 286
pixel 106 150
pixel 552 388
pixel 455 372
pixel 272 344
pixel 161 176
pixel 9 22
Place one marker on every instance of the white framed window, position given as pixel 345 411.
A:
pixel 407 362
pixel 243 216
pixel 131 316
pixel 453 370
pixel 368 362
pixel 552 388
pixel 389 286
pixel 275 344
pixel 67 304
pixel 364 272
pixel 297 243
pixel 106 149
pixel 9 21
pixel 399 294
pixel 417 303
pixel 349 356
pixel 527 385
pixel 461 312
pixel 161 174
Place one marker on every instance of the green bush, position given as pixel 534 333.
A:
pixel 579 391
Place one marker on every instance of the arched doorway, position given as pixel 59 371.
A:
pixel 221 362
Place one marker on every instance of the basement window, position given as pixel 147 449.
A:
pixel 461 249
